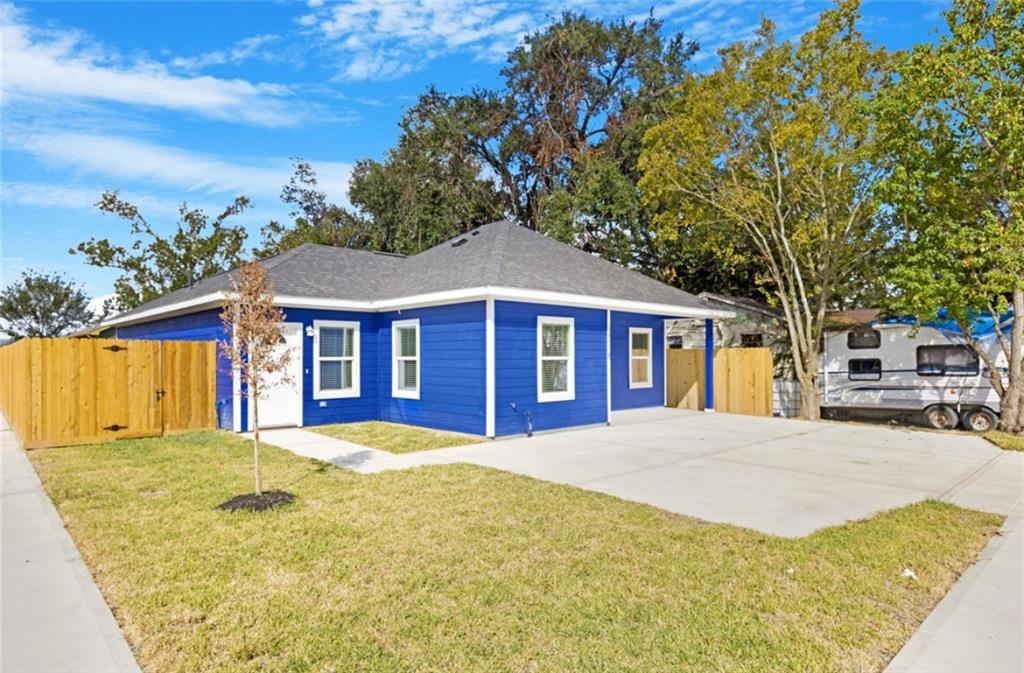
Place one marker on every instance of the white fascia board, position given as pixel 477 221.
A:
pixel 587 301
pixel 440 298
pixel 213 299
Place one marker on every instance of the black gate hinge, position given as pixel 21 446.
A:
pixel 115 427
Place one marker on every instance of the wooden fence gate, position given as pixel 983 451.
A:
pixel 77 391
pixel 743 380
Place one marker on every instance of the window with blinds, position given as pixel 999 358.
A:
pixel 405 366
pixel 555 359
pixel 336 359
pixel 641 370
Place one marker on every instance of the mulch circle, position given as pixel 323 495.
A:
pixel 257 503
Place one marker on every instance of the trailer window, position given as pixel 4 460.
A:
pixel 946 361
pixel 751 340
pixel 863 338
pixel 866 369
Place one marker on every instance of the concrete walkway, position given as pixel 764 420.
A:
pixel 54 619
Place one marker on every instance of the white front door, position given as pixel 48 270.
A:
pixel 281 401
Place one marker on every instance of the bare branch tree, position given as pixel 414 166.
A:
pixel 255 323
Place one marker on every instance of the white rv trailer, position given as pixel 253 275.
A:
pixel 886 369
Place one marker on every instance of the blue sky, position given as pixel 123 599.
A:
pixel 203 101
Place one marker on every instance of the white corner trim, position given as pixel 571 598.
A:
pixel 608 363
pixel 236 393
pixel 395 391
pixel 490 410
pixel 649 383
pixel 570 392
pixel 356 358
pixel 437 298
pixel 664 362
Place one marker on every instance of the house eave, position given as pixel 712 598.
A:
pixel 215 299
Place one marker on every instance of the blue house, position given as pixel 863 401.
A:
pixel 490 333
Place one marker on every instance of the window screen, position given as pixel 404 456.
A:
pixel 406 358
pixel 555 358
pixel 866 369
pixel 336 359
pixel 946 361
pixel 639 357
pixel 863 338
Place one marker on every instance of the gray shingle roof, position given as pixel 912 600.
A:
pixel 501 254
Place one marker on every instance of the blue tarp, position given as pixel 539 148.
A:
pixel 982 326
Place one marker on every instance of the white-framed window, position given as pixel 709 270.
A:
pixel 405 359
pixel 335 359
pixel 556 366
pixel 641 369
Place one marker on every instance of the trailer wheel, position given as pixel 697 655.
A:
pixel 979 419
pixel 941 417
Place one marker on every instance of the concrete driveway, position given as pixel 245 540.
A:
pixel 784 477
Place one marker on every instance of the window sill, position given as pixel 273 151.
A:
pixel 640 386
pixel 405 394
pixel 556 397
pixel 335 394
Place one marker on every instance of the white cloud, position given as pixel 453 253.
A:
pixel 65 64
pixel 74 197
pixel 243 50
pixel 125 159
pixel 385 39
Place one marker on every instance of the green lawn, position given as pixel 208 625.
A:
pixel 462 568
pixel 394 437
pixel 1006 441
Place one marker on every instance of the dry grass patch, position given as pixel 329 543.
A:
pixel 462 568
pixel 394 437
pixel 1005 440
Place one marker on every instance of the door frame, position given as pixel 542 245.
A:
pixel 297 366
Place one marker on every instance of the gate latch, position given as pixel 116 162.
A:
pixel 115 427
pixel 160 392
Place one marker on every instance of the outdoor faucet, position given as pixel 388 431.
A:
pixel 527 414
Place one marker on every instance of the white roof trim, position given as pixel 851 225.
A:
pixel 439 298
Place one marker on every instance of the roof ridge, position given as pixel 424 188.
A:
pixel 275 260
pixel 497 257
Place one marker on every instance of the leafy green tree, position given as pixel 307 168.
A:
pixel 153 264
pixel 43 305
pixel 954 127
pixel 772 155
pixel 315 219
pixel 428 189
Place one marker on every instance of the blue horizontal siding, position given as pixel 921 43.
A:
pixel 516 368
pixel 452 368
pixel 200 326
pixel 623 397
pixel 344 409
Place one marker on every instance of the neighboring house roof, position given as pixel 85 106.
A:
pixel 744 304
pixel 498 256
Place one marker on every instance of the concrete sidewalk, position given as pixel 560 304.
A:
pixel 976 627
pixel 54 619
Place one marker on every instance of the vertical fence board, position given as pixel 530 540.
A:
pixel 71 391
pixel 743 380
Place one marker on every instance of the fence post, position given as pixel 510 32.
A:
pixel 709 365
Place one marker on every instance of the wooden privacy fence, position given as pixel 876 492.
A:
pixel 743 380
pixel 77 391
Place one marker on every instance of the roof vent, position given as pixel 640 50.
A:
pixel 461 241
pixel 475 232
